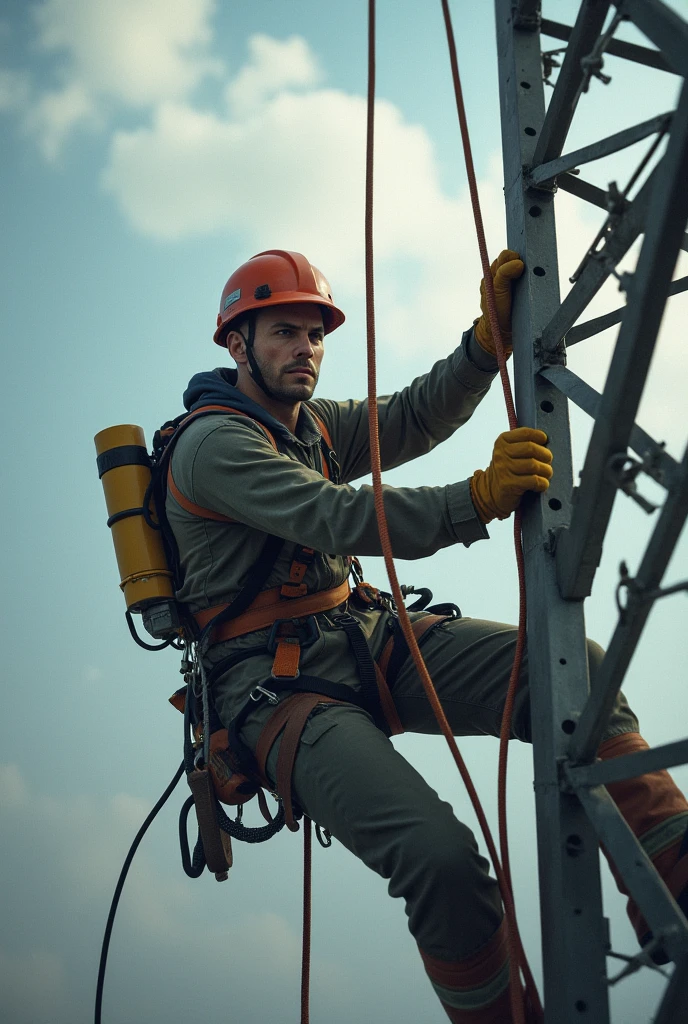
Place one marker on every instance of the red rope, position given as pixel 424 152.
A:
pixel 507 714
pixel 306 935
pixel 516 956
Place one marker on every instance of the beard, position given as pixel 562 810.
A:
pixel 283 386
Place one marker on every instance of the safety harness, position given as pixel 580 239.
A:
pixel 220 768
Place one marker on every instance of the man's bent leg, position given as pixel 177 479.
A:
pixel 350 779
pixel 470 662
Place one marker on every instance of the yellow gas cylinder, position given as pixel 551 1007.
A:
pixel 124 468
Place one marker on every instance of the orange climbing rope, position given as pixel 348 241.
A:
pixel 507 714
pixel 517 957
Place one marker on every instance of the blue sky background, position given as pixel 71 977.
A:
pixel 149 147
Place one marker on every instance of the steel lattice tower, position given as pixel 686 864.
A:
pixel 563 534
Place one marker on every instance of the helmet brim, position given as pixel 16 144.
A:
pixel 332 316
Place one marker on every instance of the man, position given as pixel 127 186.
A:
pixel 260 471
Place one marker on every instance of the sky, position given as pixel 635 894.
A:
pixel 150 147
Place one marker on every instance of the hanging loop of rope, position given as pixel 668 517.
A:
pixel 517 956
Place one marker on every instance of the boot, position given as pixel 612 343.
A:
pixel 657 813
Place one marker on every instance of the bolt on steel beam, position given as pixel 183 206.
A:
pixel 599 266
pixel 632 619
pixel 562 105
pixel 597 196
pixel 615 47
pixel 573 933
pixel 573 809
pixel 579 547
pixel 657 462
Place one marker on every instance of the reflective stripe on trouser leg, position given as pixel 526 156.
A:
pixel 474 990
pixel 657 813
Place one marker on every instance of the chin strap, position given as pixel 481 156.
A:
pixel 252 362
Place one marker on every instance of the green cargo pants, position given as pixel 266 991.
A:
pixel 350 779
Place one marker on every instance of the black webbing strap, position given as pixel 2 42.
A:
pixel 366 667
pixel 260 570
pixel 400 650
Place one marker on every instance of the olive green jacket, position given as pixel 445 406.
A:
pixel 227 464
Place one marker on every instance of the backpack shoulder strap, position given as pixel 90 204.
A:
pixel 191 506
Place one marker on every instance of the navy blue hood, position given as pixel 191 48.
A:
pixel 218 387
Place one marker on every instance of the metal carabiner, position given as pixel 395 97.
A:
pixel 262 692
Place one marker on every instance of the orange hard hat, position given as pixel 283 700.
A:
pixel 270 279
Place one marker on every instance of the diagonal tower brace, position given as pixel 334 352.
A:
pixel 563 531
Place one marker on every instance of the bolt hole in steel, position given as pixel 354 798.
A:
pixel 562 661
pixel 539 271
pixel 554 504
pixel 535 211
pixel 530 131
pixel 525 85
pixel 581 1005
pixel 574 845
pixel 547 406
pixel 568 725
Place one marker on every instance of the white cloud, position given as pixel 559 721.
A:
pixel 287 170
pixel 273 65
pixel 52 117
pixel 137 51
pixel 126 53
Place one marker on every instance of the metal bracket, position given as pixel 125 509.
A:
pixel 544 357
pixel 593 63
pixel 623 470
pixel 549 64
pixel 636 592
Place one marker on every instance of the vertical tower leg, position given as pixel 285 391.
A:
pixel 573 926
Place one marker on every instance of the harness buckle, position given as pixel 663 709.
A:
pixel 286 639
pixel 303 632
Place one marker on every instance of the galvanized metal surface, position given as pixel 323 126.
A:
pixel 635 867
pixel 661 466
pixel 601 323
pixel 601 773
pixel 621 237
pixel 545 172
pixel 579 548
pixel 573 807
pixel 617 47
pixel 632 619
pixel 562 106
pixel 573 932
pixel 663 27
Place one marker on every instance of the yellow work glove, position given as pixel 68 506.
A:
pixel 506 268
pixel 520 463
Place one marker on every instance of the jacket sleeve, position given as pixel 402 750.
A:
pixel 229 466
pixel 412 421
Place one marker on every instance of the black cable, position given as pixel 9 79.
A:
pixel 142 643
pixel 120 885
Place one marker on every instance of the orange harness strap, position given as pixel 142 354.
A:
pixel 270 606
